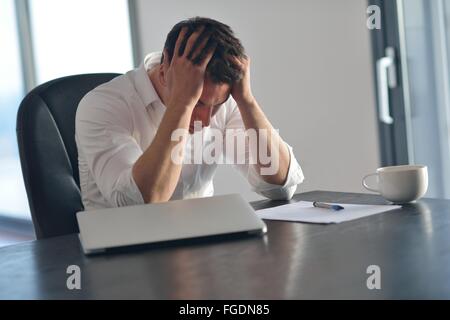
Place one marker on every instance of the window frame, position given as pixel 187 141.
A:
pixel 27 57
pixel 395 148
pixel 25 32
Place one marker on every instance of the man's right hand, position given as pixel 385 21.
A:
pixel 185 73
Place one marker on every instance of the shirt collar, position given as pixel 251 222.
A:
pixel 143 85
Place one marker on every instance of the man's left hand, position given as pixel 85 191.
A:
pixel 241 90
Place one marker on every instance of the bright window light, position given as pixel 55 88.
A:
pixel 80 36
pixel 69 37
pixel 13 199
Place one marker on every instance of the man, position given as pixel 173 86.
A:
pixel 200 84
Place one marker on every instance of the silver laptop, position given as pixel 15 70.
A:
pixel 174 220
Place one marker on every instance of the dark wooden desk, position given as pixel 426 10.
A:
pixel 293 261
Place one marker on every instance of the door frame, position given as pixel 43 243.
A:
pixel 395 148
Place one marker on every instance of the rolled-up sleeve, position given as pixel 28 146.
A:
pixel 272 191
pixel 278 192
pixel 104 136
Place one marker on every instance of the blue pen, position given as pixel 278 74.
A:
pixel 333 207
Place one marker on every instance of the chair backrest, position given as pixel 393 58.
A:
pixel 48 152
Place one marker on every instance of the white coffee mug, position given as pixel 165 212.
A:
pixel 400 184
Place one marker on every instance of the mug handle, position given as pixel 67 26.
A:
pixel 365 184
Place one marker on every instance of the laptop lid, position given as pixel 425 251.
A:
pixel 173 220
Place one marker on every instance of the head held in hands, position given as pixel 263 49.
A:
pixel 221 72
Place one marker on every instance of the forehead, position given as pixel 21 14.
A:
pixel 214 93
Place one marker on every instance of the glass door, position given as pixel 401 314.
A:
pixel 426 35
pixel 414 87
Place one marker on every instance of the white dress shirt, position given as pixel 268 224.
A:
pixel 117 121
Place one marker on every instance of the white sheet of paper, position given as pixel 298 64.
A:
pixel 304 211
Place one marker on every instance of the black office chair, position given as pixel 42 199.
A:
pixel 48 153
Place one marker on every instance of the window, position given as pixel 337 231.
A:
pixel 12 193
pixel 427 57
pixel 415 36
pixel 80 36
pixel 65 37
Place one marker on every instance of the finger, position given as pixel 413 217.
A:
pixel 181 37
pixel 199 45
pixel 192 39
pixel 209 52
pixel 204 52
pixel 236 61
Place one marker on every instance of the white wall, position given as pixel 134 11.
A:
pixel 311 73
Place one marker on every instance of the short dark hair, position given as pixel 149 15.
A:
pixel 220 69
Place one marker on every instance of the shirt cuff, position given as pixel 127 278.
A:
pixel 273 191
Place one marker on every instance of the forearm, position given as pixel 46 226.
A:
pixel 254 118
pixel 158 170
pixel 156 173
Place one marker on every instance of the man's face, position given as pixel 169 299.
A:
pixel 212 97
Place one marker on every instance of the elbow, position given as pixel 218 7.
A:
pixel 286 194
pixel 151 191
pixel 156 195
pixel 153 197
pixel 283 194
pixel 120 199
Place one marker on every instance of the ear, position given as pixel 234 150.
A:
pixel 163 68
pixel 162 74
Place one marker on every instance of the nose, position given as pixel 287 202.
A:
pixel 202 114
pixel 207 118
